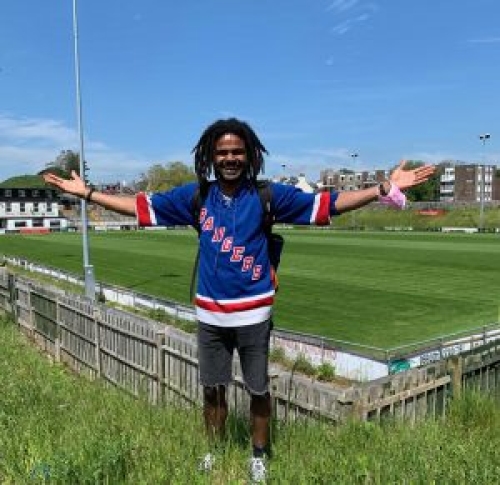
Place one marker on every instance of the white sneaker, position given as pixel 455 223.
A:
pixel 258 471
pixel 207 463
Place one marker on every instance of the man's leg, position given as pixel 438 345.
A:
pixel 215 355
pixel 215 412
pixel 260 415
pixel 253 348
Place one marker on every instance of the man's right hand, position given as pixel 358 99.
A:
pixel 75 185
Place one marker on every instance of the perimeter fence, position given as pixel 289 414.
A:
pixel 350 360
pixel 160 363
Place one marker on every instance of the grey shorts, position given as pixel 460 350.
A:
pixel 215 354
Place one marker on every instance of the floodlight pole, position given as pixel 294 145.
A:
pixel 483 138
pixel 354 155
pixel 87 267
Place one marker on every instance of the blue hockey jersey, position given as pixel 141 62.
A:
pixel 234 275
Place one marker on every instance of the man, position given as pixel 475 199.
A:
pixel 235 290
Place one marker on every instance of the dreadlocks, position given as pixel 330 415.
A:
pixel 204 149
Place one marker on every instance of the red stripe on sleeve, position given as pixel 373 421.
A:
pixel 323 214
pixel 142 209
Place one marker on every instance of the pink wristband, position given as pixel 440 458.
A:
pixel 394 198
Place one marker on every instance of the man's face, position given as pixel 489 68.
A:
pixel 230 157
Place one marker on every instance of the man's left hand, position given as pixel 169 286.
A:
pixel 405 179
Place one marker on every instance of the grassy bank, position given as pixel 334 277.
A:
pixel 380 218
pixel 58 428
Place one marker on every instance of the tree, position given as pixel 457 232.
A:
pixel 165 177
pixel 65 163
pixel 428 191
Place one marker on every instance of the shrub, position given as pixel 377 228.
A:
pixel 325 372
pixel 278 355
pixel 303 365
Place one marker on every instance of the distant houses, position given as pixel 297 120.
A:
pixel 458 182
pixel 345 180
pixel 300 182
pixel 304 185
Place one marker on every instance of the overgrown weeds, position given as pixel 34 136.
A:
pixel 58 428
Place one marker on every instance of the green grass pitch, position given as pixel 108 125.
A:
pixel 373 288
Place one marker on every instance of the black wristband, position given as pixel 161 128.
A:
pixel 382 190
pixel 89 194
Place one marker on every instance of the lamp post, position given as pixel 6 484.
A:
pixel 87 267
pixel 354 155
pixel 483 137
pixel 283 166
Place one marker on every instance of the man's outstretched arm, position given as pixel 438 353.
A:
pixel 125 205
pixel 402 179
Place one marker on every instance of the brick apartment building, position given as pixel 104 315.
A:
pixel 463 182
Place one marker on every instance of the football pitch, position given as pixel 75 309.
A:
pixel 381 289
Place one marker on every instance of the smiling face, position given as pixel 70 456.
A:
pixel 230 159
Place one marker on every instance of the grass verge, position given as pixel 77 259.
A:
pixel 58 428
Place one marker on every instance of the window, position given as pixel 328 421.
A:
pixel 8 207
pixel 37 222
pixel 22 207
pixel 8 193
pixel 20 224
pixel 35 193
pixel 55 223
pixel 36 207
pixel 21 193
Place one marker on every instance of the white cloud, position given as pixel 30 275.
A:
pixel 23 160
pixel 364 11
pixel 341 5
pixel 465 157
pixel 25 129
pixel 429 157
pixel 28 144
pixel 310 163
pixel 485 40
pixel 342 28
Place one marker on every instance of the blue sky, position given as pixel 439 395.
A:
pixel 317 79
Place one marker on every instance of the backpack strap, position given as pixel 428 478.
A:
pixel 265 195
pixel 275 241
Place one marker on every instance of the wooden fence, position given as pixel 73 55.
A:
pixel 160 363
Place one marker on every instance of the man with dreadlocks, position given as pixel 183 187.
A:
pixel 235 292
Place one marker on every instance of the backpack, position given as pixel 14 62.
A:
pixel 275 241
